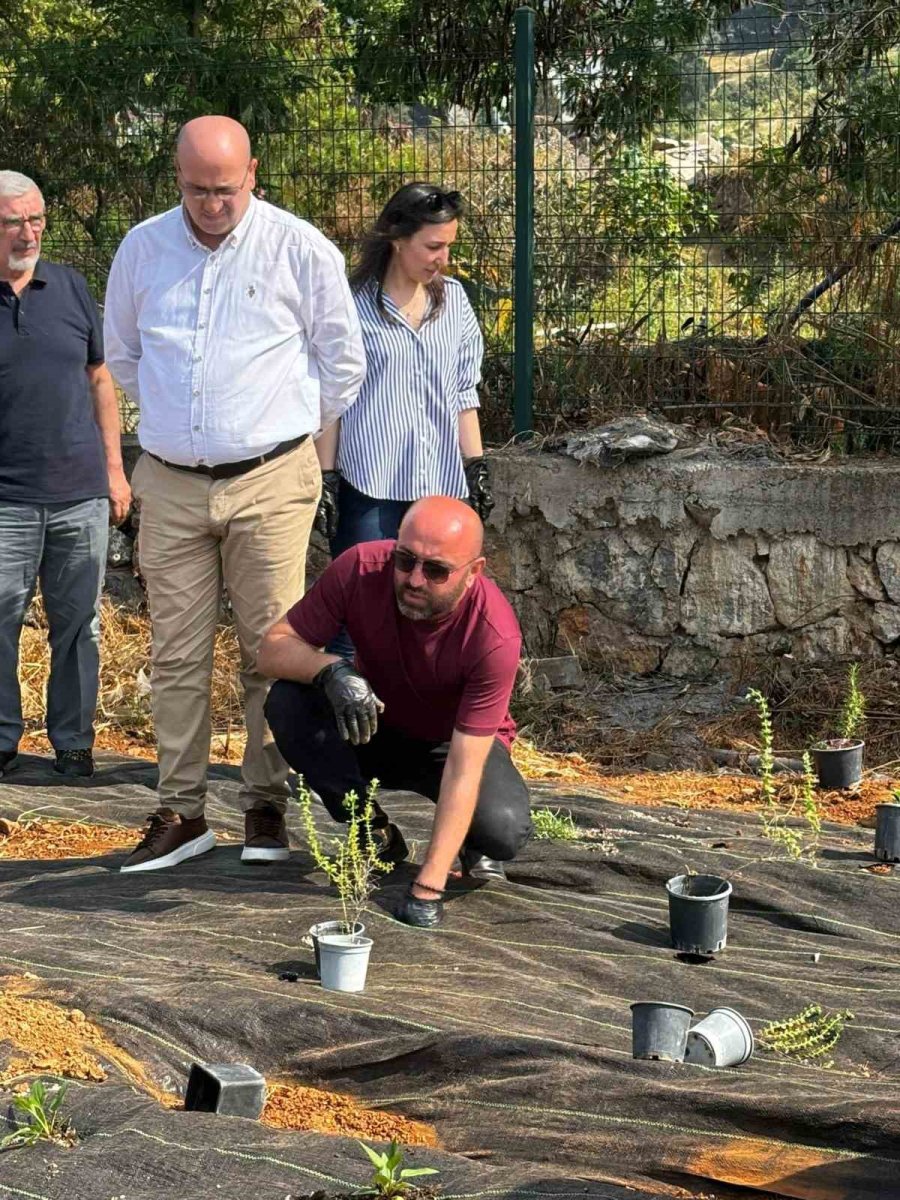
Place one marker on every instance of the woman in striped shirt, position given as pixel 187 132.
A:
pixel 413 430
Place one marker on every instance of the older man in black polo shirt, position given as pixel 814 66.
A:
pixel 60 476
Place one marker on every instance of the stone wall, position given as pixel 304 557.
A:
pixel 691 561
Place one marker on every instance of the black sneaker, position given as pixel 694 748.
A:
pixel 9 760
pixel 74 762
pixel 479 866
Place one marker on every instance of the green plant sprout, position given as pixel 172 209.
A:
pixel 391 1177
pixel 766 745
pixel 853 713
pixel 774 815
pixel 809 1034
pixel 353 864
pixel 554 825
pixel 40 1106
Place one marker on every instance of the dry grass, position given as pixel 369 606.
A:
pixel 124 719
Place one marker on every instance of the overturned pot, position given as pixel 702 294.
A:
pixel 344 961
pixel 887 832
pixel 698 913
pixel 722 1039
pixel 324 928
pixel 839 763
pixel 659 1030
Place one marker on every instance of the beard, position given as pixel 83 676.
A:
pixel 420 604
pixel 23 262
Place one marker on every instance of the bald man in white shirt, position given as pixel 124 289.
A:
pixel 230 324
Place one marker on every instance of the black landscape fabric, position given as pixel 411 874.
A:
pixel 508 1028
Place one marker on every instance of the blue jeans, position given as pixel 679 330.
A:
pixel 362 518
pixel 63 546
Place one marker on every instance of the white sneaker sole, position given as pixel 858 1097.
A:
pixel 265 854
pixel 199 845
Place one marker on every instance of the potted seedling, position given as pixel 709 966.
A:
pixel 342 952
pixel 839 760
pixel 887 829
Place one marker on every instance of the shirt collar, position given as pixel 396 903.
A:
pixel 234 238
pixel 38 276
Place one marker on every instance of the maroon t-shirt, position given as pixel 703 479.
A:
pixel 433 676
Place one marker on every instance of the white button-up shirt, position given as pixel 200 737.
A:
pixel 228 352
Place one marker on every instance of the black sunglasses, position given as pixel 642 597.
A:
pixel 434 572
pixel 436 201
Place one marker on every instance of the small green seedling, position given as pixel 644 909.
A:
pixel 810 1034
pixel 853 714
pixel 40 1106
pixel 554 825
pixel 775 814
pixel 391 1177
pixel 353 865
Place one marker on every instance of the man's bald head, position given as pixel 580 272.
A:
pixel 213 140
pixel 444 521
pixel 216 173
pixel 447 533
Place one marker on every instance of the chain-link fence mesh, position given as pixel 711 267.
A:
pixel 673 269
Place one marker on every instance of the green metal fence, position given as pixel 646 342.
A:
pixel 734 264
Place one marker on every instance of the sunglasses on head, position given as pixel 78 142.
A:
pixel 436 201
pixel 434 571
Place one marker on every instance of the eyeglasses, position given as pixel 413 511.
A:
pixel 434 571
pixel 218 193
pixel 437 200
pixel 36 221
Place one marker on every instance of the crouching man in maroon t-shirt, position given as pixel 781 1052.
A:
pixel 425 706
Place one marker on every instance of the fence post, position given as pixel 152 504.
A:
pixel 523 265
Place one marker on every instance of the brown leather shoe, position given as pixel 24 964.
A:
pixel 265 835
pixel 168 840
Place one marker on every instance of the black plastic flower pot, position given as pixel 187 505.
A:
pixel 230 1089
pixel 659 1030
pixel 887 832
pixel 698 913
pixel 839 764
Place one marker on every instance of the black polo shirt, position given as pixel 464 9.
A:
pixel 50 447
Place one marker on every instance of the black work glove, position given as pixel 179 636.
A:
pixel 478 478
pixel 356 707
pixel 326 519
pixel 424 914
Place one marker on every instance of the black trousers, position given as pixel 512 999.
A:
pixel 305 732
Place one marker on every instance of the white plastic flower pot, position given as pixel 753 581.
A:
pixel 344 961
pixel 721 1039
pixel 329 927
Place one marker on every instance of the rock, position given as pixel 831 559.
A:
pixel 664 143
pixel 834 638
pixel 562 672
pixel 725 592
pixel 886 622
pixel 887 558
pixel 807 579
pixel 608 573
pixel 687 660
pixel 604 643
pixel 863 576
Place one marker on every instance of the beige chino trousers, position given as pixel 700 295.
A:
pixel 252 533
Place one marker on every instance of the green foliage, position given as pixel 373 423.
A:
pixel 40 1106
pixel 353 864
pixel 853 713
pixel 391 1178
pixel 807 1036
pixel 766 746
pixel 775 813
pixel 554 825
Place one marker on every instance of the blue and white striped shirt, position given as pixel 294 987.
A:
pixel 400 440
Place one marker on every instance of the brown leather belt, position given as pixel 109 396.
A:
pixel 230 470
